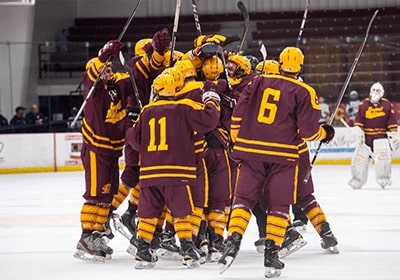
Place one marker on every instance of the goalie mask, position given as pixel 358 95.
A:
pixel 291 60
pixel 376 93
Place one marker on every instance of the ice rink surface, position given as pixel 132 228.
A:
pixel 39 228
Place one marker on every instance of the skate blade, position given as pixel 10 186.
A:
pixel 82 255
pixel 272 272
pixel 163 253
pixel 144 265
pixel 296 245
pixel 333 250
pixel 213 256
pixel 131 250
pixel 190 263
pixel 225 264
pixel 119 226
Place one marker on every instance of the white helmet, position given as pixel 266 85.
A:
pixel 376 92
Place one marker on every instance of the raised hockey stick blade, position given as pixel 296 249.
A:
pixel 343 90
pixel 303 23
pixel 263 52
pixel 128 22
pixel 196 17
pixel 246 18
pixel 175 30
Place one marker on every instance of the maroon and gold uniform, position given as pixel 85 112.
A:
pixel 376 120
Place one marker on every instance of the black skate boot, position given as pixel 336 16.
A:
pixel 231 250
pixel 86 249
pixel 145 257
pixel 108 234
pixel 260 245
pixel 168 247
pixel 272 264
pixel 202 242
pixel 329 241
pixel 300 225
pixel 129 220
pixel 292 242
pixel 191 255
pixel 216 246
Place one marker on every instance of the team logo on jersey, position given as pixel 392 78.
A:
pixel 373 113
pixel 106 188
pixel 115 113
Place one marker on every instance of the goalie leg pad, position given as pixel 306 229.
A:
pixel 359 166
pixel 383 158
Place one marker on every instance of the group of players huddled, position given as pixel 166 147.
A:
pixel 220 136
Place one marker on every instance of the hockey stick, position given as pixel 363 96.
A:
pixel 263 52
pixel 128 22
pixel 196 17
pixel 341 94
pixel 246 17
pixel 132 79
pixel 303 22
pixel 175 30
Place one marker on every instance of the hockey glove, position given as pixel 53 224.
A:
pixel 111 48
pixel 210 38
pixel 330 133
pixel 210 95
pixel 205 51
pixel 394 140
pixel 358 135
pixel 161 41
pixel 133 113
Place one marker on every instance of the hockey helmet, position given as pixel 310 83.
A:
pixel 270 67
pixel 167 57
pixel 187 68
pixel 243 64
pixel 140 49
pixel 164 85
pixel 212 68
pixel 291 60
pixel 253 61
pixel 179 80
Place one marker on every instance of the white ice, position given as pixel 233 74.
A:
pixel 39 228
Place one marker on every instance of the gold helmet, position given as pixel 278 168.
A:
pixel 179 80
pixel 139 46
pixel 212 68
pixel 187 68
pixel 270 67
pixel 243 64
pixel 167 57
pixel 164 85
pixel 291 60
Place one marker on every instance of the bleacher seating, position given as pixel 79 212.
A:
pixel 330 41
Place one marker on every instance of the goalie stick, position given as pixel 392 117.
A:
pixel 196 17
pixel 303 22
pixel 341 94
pixel 175 30
pixel 246 18
pixel 128 22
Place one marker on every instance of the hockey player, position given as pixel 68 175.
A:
pixel 168 164
pixel 103 131
pixel 376 135
pixel 283 109
pixel 268 67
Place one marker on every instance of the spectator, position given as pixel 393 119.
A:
pixel 351 107
pixel 325 112
pixel 37 120
pixel 18 121
pixel 62 41
pixel 3 121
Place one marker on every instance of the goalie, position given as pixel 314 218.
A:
pixel 375 128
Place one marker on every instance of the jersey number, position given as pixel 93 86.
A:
pixel 268 110
pixel 162 137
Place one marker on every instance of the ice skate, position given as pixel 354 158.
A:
pixel 272 264
pixel 230 252
pixel 329 241
pixel 293 241
pixel 260 245
pixel 300 225
pixel 120 227
pixel 216 246
pixel 168 248
pixel 145 257
pixel 190 254
pixel 129 220
pixel 132 248
pixel 91 247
